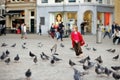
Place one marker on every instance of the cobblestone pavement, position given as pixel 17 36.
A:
pixel 61 70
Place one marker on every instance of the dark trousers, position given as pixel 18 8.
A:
pixel 60 36
pixel 115 38
pixel 107 33
pixel 77 48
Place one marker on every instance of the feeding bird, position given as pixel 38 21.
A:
pixel 116 76
pixel 3 45
pixel 13 45
pixel 35 60
pixel 46 56
pixel 56 58
pixel 94 49
pixel 2 57
pixel 116 57
pixel 71 63
pixel 99 59
pixel 109 50
pixel 113 51
pixel 16 58
pixel 31 54
pixel 116 68
pixel 28 73
pixel 108 71
pixel 7 52
pixel 52 61
pixel 24 47
pixel 7 60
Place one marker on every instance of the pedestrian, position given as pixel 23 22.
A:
pixel 107 31
pixel 77 41
pixel 61 31
pixel 116 36
pixel 23 31
pixel 52 31
pixel 40 31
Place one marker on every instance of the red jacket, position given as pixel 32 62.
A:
pixel 77 37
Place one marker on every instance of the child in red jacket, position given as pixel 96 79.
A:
pixel 77 41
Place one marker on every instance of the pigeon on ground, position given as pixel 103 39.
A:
pixel 94 49
pixel 109 50
pixel 46 56
pixel 108 71
pixel 113 51
pixel 52 61
pixel 23 47
pixel 116 76
pixel 35 60
pixel 16 58
pixel 13 45
pixel 99 59
pixel 3 45
pixel 116 68
pixel 31 54
pixel 71 63
pixel 56 58
pixel 7 52
pixel 28 73
pixel 7 60
pixel 2 57
pixel 116 57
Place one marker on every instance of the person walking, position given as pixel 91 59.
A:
pixel 107 31
pixel 77 41
pixel 61 31
pixel 116 36
pixel 23 31
pixel 40 31
pixel 52 31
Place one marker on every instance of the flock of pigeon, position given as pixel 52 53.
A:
pixel 86 62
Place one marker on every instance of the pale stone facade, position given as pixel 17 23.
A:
pixel 21 11
pixel 117 11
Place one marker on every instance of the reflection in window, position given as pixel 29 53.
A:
pixel 57 1
pixel 44 1
pixel 72 0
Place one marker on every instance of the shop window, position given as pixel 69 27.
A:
pixel 58 1
pixel 44 1
pixel 42 20
pixel 72 0
pixel 32 13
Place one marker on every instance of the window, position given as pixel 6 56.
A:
pixel 99 1
pixel 72 0
pixel 44 1
pixel 58 1
pixel 42 20
pixel 32 13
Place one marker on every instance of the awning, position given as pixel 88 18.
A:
pixel 14 12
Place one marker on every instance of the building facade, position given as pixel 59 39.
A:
pixel 21 11
pixel 75 12
pixel 117 11
pixel 2 11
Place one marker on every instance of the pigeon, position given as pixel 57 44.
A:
pixel 52 61
pixel 42 57
pixel 86 45
pixel 13 45
pixel 23 47
pixel 71 63
pixel 84 60
pixel 24 43
pixel 91 64
pixel 7 60
pixel 54 48
pixel 46 56
pixel 99 59
pixel 61 45
pixel 116 68
pixel 35 60
pixel 7 52
pixel 116 57
pixel 76 75
pixel 108 71
pixel 113 51
pixel 3 45
pixel 2 57
pixel 56 58
pixel 28 73
pixel 17 58
pixel 116 76
pixel 31 54
pixel 88 48
pixel 99 69
pixel 94 49
pixel 109 50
